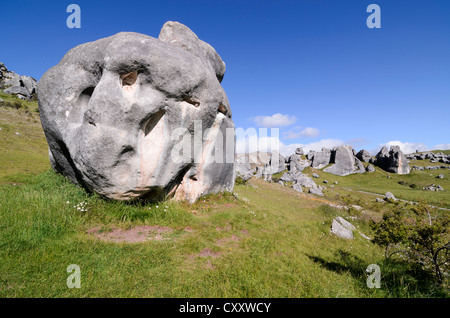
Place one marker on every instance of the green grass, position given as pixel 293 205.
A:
pixel 268 242
pixel 264 240
pixel 27 151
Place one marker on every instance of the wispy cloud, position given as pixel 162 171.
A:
pixel 308 132
pixel 276 120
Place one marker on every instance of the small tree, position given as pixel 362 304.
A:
pixel 420 234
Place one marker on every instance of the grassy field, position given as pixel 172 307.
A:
pixel 264 240
pixel 23 146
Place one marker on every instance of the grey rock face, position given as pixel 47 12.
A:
pixel 296 163
pixel 315 175
pixel 316 191
pixel 307 182
pixel 345 162
pixel 398 162
pixel 370 168
pixel 390 196
pixel 297 187
pixel 321 159
pixel 109 110
pixel 393 160
pixel 11 83
pixel 340 230
pixel 441 176
pixel 363 155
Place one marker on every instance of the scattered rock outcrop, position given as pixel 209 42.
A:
pixel 433 187
pixel 296 162
pixel 11 83
pixel 109 108
pixel 433 157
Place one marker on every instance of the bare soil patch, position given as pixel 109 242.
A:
pixel 137 234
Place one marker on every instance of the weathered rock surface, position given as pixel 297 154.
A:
pixel 321 159
pixel 393 160
pixel 363 155
pixel 14 84
pixel 390 196
pixel 109 110
pixel 345 162
pixel 340 230
pixel 370 168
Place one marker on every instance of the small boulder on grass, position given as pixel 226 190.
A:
pixel 379 200
pixel 390 196
pixel 342 230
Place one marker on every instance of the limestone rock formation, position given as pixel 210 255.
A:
pixel 11 83
pixel 131 116
pixel 296 163
pixel 393 160
pixel 341 228
pixel 345 162
pixel 363 155
pixel 321 159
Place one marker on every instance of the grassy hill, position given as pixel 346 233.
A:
pixel 264 240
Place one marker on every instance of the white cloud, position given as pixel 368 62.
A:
pixel 405 147
pixel 442 147
pixel 308 132
pixel 267 144
pixel 315 146
pixel 276 120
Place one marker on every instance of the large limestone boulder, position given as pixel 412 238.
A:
pixel 296 163
pixel 131 116
pixel 321 159
pixel 393 160
pixel 363 155
pixel 345 162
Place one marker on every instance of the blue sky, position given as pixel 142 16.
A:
pixel 313 68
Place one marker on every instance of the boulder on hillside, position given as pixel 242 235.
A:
pixel 393 160
pixel 14 84
pixel 321 159
pixel 363 155
pixel 296 163
pixel 344 162
pixel 370 168
pixel 121 114
pixel 341 230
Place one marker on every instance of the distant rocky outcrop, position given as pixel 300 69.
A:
pixel 364 155
pixel 393 160
pixel 321 159
pixel 296 163
pixel 11 83
pixel 433 157
pixel 344 162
